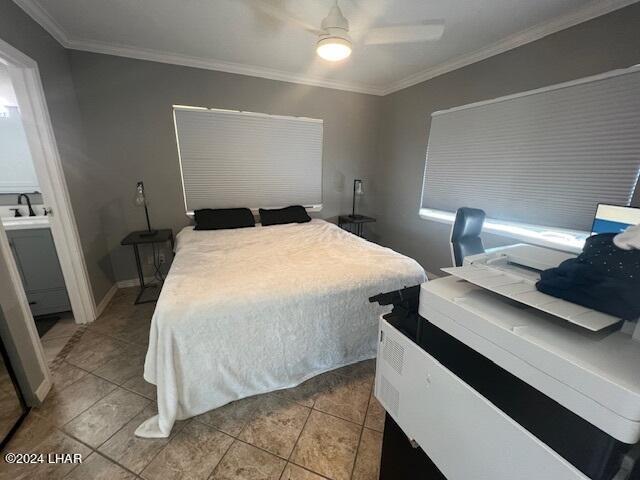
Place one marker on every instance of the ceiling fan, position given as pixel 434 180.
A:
pixel 334 41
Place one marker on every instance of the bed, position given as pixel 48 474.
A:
pixel 253 310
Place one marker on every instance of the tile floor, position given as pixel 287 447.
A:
pixel 58 336
pixel 330 427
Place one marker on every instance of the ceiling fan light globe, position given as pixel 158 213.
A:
pixel 333 49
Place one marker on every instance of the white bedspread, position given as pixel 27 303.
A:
pixel 252 310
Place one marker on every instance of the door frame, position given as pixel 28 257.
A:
pixel 34 112
pixel 21 313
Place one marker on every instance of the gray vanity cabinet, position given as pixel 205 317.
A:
pixel 40 270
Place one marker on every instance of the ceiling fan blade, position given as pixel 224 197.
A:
pixel 404 34
pixel 363 16
pixel 269 8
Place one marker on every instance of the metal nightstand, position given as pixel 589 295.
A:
pixel 355 223
pixel 142 237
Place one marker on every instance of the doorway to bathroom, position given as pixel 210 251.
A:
pixel 25 220
pixel 39 240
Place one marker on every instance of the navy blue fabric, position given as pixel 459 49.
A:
pixel 603 277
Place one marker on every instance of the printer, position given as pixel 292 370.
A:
pixel 493 380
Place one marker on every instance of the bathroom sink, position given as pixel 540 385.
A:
pixel 20 223
pixel 16 223
pixel 11 222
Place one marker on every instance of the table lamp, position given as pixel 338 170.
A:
pixel 358 190
pixel 141 200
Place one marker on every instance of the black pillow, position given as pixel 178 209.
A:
pixel 279 216
pixel 222 218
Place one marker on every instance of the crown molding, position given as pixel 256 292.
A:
pixel 219 65
pixel 46 21
pixel 593 10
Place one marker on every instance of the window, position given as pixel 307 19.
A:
pixel 241 159
pixel 545 157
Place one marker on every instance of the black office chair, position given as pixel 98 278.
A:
pixel 465 234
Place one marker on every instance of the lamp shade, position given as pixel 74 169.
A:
pixel 358 187
pixel 139 198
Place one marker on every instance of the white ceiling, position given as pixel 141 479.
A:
pixel 235 36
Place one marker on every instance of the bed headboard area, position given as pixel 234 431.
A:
pixel 242 159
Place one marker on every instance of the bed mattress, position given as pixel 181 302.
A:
pixel 253 310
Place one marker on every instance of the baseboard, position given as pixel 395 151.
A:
pixel 133 282
pixel 106 299
pixel 42 391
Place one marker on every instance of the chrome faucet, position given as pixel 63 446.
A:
pixel 31 212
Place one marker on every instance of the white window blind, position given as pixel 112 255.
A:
pixel 544 157
pixel 239 159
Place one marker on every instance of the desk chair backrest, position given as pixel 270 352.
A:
pixel 465 234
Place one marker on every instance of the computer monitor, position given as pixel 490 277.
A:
pixel 614 218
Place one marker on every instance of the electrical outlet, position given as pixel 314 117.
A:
pixel 150 260
pixel 161 258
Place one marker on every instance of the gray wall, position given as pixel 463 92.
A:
pixel 126 111
pixel 605 43
pixel 85 178
pixel 124 115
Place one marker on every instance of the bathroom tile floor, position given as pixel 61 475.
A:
pixel 58 336
pixel 329 427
